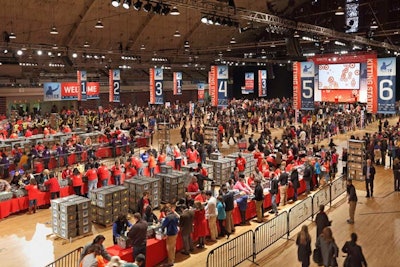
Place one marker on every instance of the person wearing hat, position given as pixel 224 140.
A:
pixel 259 198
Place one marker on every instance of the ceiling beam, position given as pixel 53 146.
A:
pixel 71 35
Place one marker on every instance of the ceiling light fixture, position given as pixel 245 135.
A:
pixel 204 19
pixel 210 20
pixel 147 7
pixel 12 36
pixel 177 34
pixel 127 4
pixel 86 44
pixel 175 11
pixel 339 11
pixel 19 52
pixel 296 34
pixel 186 44
pixel 233 40
pixel 74 55
pixel 115 3
pixel 99 24
pixel 273 45
pixel 374 25
pixel 39 52
pixel 142 47
pixel 53 30
pixel 138 5
pixel 54 46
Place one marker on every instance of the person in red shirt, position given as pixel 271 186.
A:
pixel 116 172
pixel 130 170
pixel 77 182
pixel 138 164
pixel 201 197
pixel 53 185
pixel 14 135
pixel 28 133
pixel 240 163
pixel 193 188
pixel 152 164
pixel 67 172
pixel 92 178
pixel 162 158
pixel 192 155
pixel 33 192
pixel 103 174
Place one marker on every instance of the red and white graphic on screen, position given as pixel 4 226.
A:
pixel 339 76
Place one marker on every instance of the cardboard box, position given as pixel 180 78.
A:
pixel 83 214
pixel 104 211
pixel 67 207
pixel 70 225
pixel 68 217
pixel 83 221
pixel 68 234
pixel 85 229
pixel 165 169
pixel 82 204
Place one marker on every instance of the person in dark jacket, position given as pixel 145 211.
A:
pixel 369 174
pixel 242 204
pixel 294 179
pixel 259 198
pixel 149 216
pixel 303 243
pixel 138 235
pixel 229 206
pixel 307 175
pixel 186 226
pixel 274 191
pixel 120 226
pixel 352 200
pixel 355 257
pixel 321 220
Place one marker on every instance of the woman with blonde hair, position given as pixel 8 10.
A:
pixel 329 249
pixel 303 243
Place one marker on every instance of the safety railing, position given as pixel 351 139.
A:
pixel 234 252
pixel 68 260
pixel 269 232
pixel 337 188
pixel 321 197
pixel 299 214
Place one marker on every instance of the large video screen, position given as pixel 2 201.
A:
pixel 339 76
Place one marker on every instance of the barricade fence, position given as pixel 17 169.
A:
pixel 68 260
pixel 269 232
pixel 251 243
pixel 234 252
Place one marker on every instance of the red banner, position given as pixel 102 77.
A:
pixel 93 90
pixel 212 85
pixel 152 87
pixel 296 86
pixel 69 91
pixel 372 89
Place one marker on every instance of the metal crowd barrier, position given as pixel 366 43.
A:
pixel 234 252
pixel 337 188
pixel 322 197
pixel 269 232
pixel 299 214
pixel 68 260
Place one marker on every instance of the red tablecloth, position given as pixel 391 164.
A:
pixel 155 254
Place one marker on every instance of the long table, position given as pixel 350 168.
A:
pixel 155 254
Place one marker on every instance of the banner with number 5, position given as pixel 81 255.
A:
pixel 387 85
pixel 307 73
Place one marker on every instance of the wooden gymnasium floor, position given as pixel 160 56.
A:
pixel 25 240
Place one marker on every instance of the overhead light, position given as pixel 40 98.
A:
pixel 339 11
pixel 12 36
pixel 127 4
pixel 210 21
pixel 177 34
pixel 5 51
pixel 23 48
pixel 186 44
pixel 175 11
pixel 273 45
pixel 147 7
pixel 39 52
pixel 86 44
pixel 99 24
pixel 217 21
pixel 228 49
pixel 19 52
pixel 138 5
pixel 157 9
pixel 74 55
pixel 165 11
pixel 142 47
pixel 115 3
pixel 296 34
pixel 233 40
pixel 373 26
pixel 54 46
pixel 204 19
pixel 49 54
pixel 53 30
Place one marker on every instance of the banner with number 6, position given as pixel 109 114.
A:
pixel 386 85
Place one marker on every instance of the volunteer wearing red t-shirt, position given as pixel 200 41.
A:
pixel 193 188
pixel 117 172
pixel 33 193
pixel 53 185
pixel 241 163
pixel 103 174
pixel 92 177
pixel 77 182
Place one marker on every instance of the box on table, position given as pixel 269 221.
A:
pixel 84 229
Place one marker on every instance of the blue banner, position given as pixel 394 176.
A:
pixel 82 81
pixel 222 85
pixel 159 85
pixel 307 74
pixel 262 83
pixel 387 85
pixel 51 91
pixel 114 85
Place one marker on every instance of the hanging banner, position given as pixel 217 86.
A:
pixel 307 85
pixel 191 108
pixel 262 83
pixel 177 83
pixel 69 91
pixel 156 86
pixel 212 86
pixel 387 85
pixel 372 95
pixel 218 85
pixel 249 82
pixel 51 91
pixel 92 90
pixel 296 85
pixel 200 92
pixel 114 86
pixel 82 80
